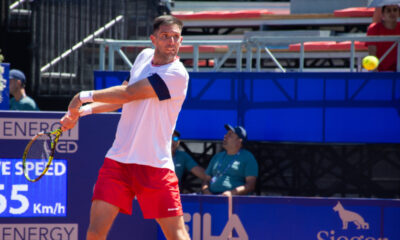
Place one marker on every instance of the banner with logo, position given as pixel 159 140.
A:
pixel 59 203
pixel 4 86
pixel 285 218
pixel 58 206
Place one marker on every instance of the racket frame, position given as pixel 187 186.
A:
pixel 54 142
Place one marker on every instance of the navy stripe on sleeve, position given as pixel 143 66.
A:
pixel 159 87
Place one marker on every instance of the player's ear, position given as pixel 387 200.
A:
pixel 152 38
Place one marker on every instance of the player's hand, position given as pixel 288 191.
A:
pixel 68 121
pixel 74 106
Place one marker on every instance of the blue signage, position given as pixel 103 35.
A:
pixel 62 203
pixel 4 86
pixel 21 198
pixel 279 218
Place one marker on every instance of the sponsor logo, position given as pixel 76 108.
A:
pixel 26 128
pixel 357 223
pixel 199 227
pixel 348 216
pixel 39 231
pixel 173 209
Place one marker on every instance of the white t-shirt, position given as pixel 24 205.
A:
pixel 145 129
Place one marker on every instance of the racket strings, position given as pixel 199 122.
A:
pixel 38 156
pixel 40 148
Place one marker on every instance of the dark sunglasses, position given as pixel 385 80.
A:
pixel 175 138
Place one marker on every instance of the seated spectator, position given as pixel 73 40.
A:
pixel 183 161
pixel 387 26
pixel 20 100
pixel 233 171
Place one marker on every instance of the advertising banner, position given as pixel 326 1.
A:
pixel 4 86
pixel 58 205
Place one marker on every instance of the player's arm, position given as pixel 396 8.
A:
pixel 248 187
pixel 99 107
pixel 113 95
pixel 70 119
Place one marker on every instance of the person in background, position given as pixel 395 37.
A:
pixel 386 27
pixel 20 100
pixel 233 171
pixel 183 161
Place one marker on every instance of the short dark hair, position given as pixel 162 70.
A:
pixel 166 20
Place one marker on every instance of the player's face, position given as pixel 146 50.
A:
pixel 231 140
pixel 167 40
pixel 390 13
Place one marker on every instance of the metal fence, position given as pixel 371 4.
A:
pixel 249 51
pixel 63 53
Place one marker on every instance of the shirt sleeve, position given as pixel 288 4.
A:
pixel 251 166
pixel 189 162
pixel 174 81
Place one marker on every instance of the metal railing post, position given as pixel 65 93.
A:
pixel 249 57
pixel 101 57
pixel 398 56
pixel 195 57
pixel 301 67
pixel 258 58
pixel 239 57
pixel 352 52
pixel 110 57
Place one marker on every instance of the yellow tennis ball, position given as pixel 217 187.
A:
pixel 370 62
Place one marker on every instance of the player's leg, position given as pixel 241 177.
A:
pixel 173 228
pixel 111 195
pixel 159 199
pixel 102 215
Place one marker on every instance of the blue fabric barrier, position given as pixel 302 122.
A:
pixel 290 107
pixel 82 150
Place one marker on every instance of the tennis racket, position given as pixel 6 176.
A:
pixel 39 154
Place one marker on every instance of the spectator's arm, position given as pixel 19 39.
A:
pixel 377 17
pixel 248 187
pixel 205 186
pixel 200 173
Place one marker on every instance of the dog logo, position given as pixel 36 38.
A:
pixel 348 216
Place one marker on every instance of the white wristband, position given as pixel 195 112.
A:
pixel 86 96
pixel 85 110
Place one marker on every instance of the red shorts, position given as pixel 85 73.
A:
pixel 156 189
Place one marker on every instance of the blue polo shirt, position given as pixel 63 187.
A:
pixel 25 104
pixel 183 162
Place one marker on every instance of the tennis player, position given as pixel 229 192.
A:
pixel 139 162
